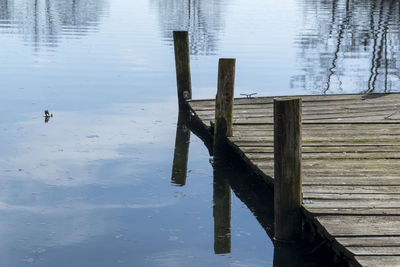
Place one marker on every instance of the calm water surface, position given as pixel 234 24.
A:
pixel 92 187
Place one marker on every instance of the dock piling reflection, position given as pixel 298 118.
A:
pixel 181 151
pixel 221 211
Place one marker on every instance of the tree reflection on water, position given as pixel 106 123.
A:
pixel 44 22
pixel 348 44
pixel 202 19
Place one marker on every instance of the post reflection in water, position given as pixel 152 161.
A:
pixel 221 188
pixel 349 45
pixel 44 22
pixel 202 19
pixel 181 151
pixel 221 211
pixel 248 187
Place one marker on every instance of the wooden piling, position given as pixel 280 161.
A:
pixel 287 168
pixel 182 65
pixel 224 103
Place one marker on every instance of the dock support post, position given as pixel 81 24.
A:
pixel 287 168
pixel 182 65
pixel 224 104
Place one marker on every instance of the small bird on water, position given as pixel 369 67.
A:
pixel 47 116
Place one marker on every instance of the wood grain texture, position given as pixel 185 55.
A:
pixel 182 66
pixel 224 104
pixel 287 168
pixel 350 166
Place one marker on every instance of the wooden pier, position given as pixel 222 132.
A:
pixel 332 160
pixel 350 166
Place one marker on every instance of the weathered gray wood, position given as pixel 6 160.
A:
pixel 353 211
pixel 381 261
pixel 327 149
pixel 343 197
pixel 308 107
pixel 287 168
pixel 317 143
pixel 339 226
pixel 329 132
pixel 353 190
pixel 370 241
pixel 325 126
pixel 331 156
pixel 224 104
pixel 375 251
pixel 182 65
pixel 261 114
pixel 351 175
pixel 338 99
pixel 347 164
pixel 350 179
pixel 353 203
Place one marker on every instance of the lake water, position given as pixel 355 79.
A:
pixel 92 186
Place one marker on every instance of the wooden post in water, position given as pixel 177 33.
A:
pixel 182 65
pixel 224 104
pixel 287 168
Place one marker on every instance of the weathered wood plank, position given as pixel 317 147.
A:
pixel 331 156
pixel 330 180
pixel 320 143
pixel 362 189
pixel 361 120
pixel 377 241
pixel 351 170
pixel 321 126
pixel 342 165
pixel 339 226
pixel 329 135
pixel 328 149
pixel 353 211
pixel 266 110
pixel 384 97
pixel 375 251
pixel 318 139
pixel 353 203
pixel 331 196
pixel 388 111
pixel 326 131
pixel 378 117
pixel 381 261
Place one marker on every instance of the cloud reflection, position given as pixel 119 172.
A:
pixel 74 147
pixel 79 207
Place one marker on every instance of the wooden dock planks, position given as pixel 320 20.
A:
pixel 351 167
